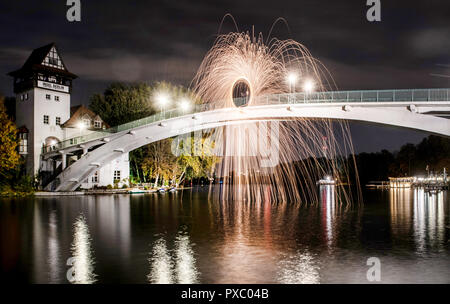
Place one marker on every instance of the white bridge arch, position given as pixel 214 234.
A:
pixel 101 148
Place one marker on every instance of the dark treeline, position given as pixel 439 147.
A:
pixel 432 152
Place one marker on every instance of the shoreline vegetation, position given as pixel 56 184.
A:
pixel 154 166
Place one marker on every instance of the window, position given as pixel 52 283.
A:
pixel 87 122
pixel 97 124
pixel 24 97
pixel 46 119
pixel 52 59
pixel 58 121
pixel 23 143
pixel 56 98
pixel 116 176
pixel 48 97
pixel 95 177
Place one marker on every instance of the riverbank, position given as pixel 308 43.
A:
pixel 96 192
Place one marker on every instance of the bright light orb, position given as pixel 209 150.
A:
pixel 185 104
pixel 81 125
pixel 162 98
pixel 308 86
pixel 241 93
pixel 292 78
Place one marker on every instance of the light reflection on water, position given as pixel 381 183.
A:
pixel 190 237
pixel 421 214
pixel 178 267
pixel 82 255
pixel 160 264
pixel 299 268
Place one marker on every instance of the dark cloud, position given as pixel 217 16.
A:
pixel 166 40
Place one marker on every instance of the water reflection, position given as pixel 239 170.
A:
pixel 328 206
pixel 420 214
pixel 299 268
pixel 196 238
pixel 429 219
pixel 82 255
pixel 186 270
pixel 53 248
pixel 161 267
pixel 173 266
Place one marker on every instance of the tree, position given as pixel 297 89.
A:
pixel 122 103
pixel 9 157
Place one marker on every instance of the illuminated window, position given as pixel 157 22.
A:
pixel 23 143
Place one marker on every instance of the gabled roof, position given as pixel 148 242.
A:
pixel 76 115
pixel 35 60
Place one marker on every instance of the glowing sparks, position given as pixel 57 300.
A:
pixel 241 69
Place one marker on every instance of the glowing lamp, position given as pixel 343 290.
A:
pixel 308 86
pixel 292 78
pixel 185 105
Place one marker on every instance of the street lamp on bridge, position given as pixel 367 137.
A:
pixel 163 99
pixel 185 105
pixel 292 79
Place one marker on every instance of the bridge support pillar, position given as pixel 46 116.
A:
pixel 64 160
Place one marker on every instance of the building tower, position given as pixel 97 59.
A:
pixel 42 86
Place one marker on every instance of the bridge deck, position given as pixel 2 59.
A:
pixel 367 96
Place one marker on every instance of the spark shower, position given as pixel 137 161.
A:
pixel 238 71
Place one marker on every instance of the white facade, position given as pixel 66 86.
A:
pixel 115 173
pixel 42 106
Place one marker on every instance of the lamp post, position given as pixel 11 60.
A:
pixel 308 87
pixel 163 99
pixel 80 126
pixel 292 79
pixel 185 105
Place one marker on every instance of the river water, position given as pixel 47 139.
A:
pixel 193 237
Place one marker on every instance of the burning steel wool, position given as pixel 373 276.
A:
pixel 257 158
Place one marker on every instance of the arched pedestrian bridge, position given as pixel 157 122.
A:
pixel 421 109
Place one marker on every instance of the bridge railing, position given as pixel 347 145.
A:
pixel 412 95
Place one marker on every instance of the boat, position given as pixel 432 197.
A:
pixel 162 190
pixel 136 190
pixel 173 189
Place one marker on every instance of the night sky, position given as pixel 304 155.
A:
pixel 166 40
